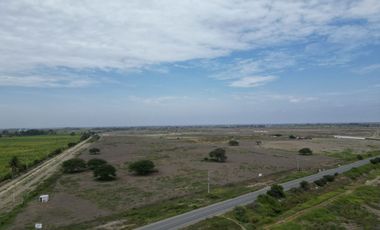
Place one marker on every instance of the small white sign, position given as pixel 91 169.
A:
pixel 260 174
pixel 38 226
pixel 44 198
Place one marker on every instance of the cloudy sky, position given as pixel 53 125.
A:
pixel 169 62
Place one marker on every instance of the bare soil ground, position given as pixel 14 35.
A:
pixel 178 155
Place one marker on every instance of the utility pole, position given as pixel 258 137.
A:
pixel 208 181
pixel 298 163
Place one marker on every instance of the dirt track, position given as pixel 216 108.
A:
pixel 12 192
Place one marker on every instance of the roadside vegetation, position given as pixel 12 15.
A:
pixel 332 202
pixel 349 155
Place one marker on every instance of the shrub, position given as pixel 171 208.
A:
pixel 74 165
pixel 15 164
pixel 292 137
pixel 375 160
pixel 321 182
pixel 94 163
pixel 267 205
pixel 105 172
pixel 55 152
pixel 94 151
pixel 276 191
pixel 218 154
pixel 329 178
pixel 359 157
pixel 71 144
pixel 305 185
pixel 233 143
pixel 240 214
pixel 205 159
pixel 142 167
pixel 305 151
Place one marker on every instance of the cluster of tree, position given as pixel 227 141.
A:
pixel 86 135
pixel 142 167
pixel 29 132
pixel 233 143
pixel 101 169
pixel 217 155
pixel 305 151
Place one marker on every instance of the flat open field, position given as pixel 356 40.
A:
pixel 30 148
pixel 178 155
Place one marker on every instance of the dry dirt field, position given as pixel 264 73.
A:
pixel 178 155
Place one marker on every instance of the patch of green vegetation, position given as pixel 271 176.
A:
pixel 31 148
pixel 348 155
pixel 294 175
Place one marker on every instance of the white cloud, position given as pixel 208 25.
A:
pixel 264 63
pixel 125 34
pixel 45 81
pixel 249 82
pixel 367 69
pixel 131 34
pixel 162 100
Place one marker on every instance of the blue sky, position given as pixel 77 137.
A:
pixel 127 63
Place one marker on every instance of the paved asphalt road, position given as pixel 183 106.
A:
pixel 197 215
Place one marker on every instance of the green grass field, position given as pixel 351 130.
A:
pixel 30 148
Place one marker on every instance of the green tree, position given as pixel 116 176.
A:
pixel 276 191
pixel 15 165
pixel 305 151
pixel 74 165
pixel 305 185
pixel 85 136
pixel 142 167
pixel 95 163
pixel 218 154
pixel 105 172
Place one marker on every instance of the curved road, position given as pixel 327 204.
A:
pixel 197 215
